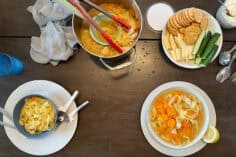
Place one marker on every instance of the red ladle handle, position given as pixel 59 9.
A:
pixel 120 21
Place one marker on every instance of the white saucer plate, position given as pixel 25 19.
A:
pixel 57 139
pixel 144 118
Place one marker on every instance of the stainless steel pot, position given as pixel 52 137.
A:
pixel 77 21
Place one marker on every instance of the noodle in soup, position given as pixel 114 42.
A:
pixel 177 117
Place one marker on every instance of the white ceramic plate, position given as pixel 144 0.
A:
pixel 57 139
pixel 213 27
pixel 144 118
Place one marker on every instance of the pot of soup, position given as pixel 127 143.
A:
pixel 92 42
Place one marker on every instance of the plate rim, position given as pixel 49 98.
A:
pixel 55 150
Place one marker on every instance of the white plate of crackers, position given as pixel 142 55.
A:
pixel 192 38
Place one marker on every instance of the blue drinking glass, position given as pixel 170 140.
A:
pixel 10 65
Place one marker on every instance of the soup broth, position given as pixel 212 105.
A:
pixel 176 116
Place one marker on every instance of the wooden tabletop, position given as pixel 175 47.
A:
pixel 110 125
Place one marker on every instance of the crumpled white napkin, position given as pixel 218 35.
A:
pixel 56 42
pixel 46 10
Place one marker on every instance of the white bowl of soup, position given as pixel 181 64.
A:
pixel 178 115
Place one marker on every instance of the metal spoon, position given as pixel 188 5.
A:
pixel 233 78
pixel 63 109
pixel 225 56
pixel 69 117
pixel 5 113
pixel 225 73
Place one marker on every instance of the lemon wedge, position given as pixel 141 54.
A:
pixel 212 135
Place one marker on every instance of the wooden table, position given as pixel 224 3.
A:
pixel 110 126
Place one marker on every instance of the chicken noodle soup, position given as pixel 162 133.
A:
pixel 125 38
pixel 176 116
pixel 37 115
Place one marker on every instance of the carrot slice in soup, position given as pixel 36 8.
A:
pixel 165 105
pixel 171 111
pixel 160 99
pixel 171 123
pixel 161 110
pixel 164 117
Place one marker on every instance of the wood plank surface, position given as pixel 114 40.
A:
pixel 110 125
pixel 16 21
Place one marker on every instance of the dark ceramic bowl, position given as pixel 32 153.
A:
pixel 16 118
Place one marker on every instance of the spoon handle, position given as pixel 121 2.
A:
pixel 77 110
pixel 67 105
pixel 5 113
pixel 233 59
pixel 7 125
pixel 233 77
pixel 231 50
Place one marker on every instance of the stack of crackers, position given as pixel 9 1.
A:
pixel 189 23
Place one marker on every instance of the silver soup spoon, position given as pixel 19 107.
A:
pixel 225 73
pixel 62 111
pixel 225 56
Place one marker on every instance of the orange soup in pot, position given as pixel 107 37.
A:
pixel 125 38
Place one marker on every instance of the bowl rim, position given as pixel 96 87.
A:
pixel 194 66
pixel 188 87
pixel 17 109
pixel 136 6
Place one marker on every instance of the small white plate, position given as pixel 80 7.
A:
pixel 213 27
pixel 57 139
pixel 144 118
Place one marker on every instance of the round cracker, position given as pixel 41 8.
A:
pixel 204 23
pixel 178 19
pixel 183 20
pixel 195 24
pixel 198 15
pixel 191 34
pixel 187 16
pixel 186 19
pixel 193 29
pixel 171 29
pixel 182 30
pixel 190 14
pixel 175 22
pixel 171 21
pixel 190 39
pixel 182 23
